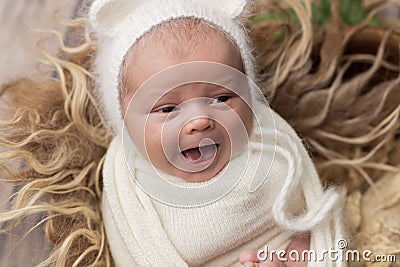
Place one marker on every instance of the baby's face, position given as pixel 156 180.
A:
pixel 175 128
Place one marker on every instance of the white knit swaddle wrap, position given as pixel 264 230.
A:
pixel 145 232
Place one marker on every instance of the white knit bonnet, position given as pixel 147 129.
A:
pixel 118 24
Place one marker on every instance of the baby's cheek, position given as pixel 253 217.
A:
pixel 238 129
pixel 241 117
pixel 246 116
pixel 158 140
pixel 152 137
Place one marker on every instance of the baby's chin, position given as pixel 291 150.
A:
pixel 201 176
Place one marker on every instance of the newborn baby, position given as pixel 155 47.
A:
pixel 200 168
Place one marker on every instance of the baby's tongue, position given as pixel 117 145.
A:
pixel 192 154
pixel 204 152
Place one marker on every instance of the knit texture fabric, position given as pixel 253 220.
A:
pixel 145 232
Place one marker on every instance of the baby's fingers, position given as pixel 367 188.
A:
pixel 249 259
pixel 262 264
pixel 248 256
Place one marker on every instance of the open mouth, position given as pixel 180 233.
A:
pixel 201 153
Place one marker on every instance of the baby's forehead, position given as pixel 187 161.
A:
pixel 183 36
pixel 174 42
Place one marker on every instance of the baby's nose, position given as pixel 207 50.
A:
pixel 198 124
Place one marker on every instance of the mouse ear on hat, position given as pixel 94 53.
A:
pixel 232 7
pixel 105 15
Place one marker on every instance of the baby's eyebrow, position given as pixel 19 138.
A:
pixel 175 93
pixel 168 93
pixel 214 86
pixel 160 95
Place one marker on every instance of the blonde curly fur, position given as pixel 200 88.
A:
pixel 330 93
pixel 56 130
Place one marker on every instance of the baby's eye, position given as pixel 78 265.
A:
pixel 221 99
pixel 167 109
